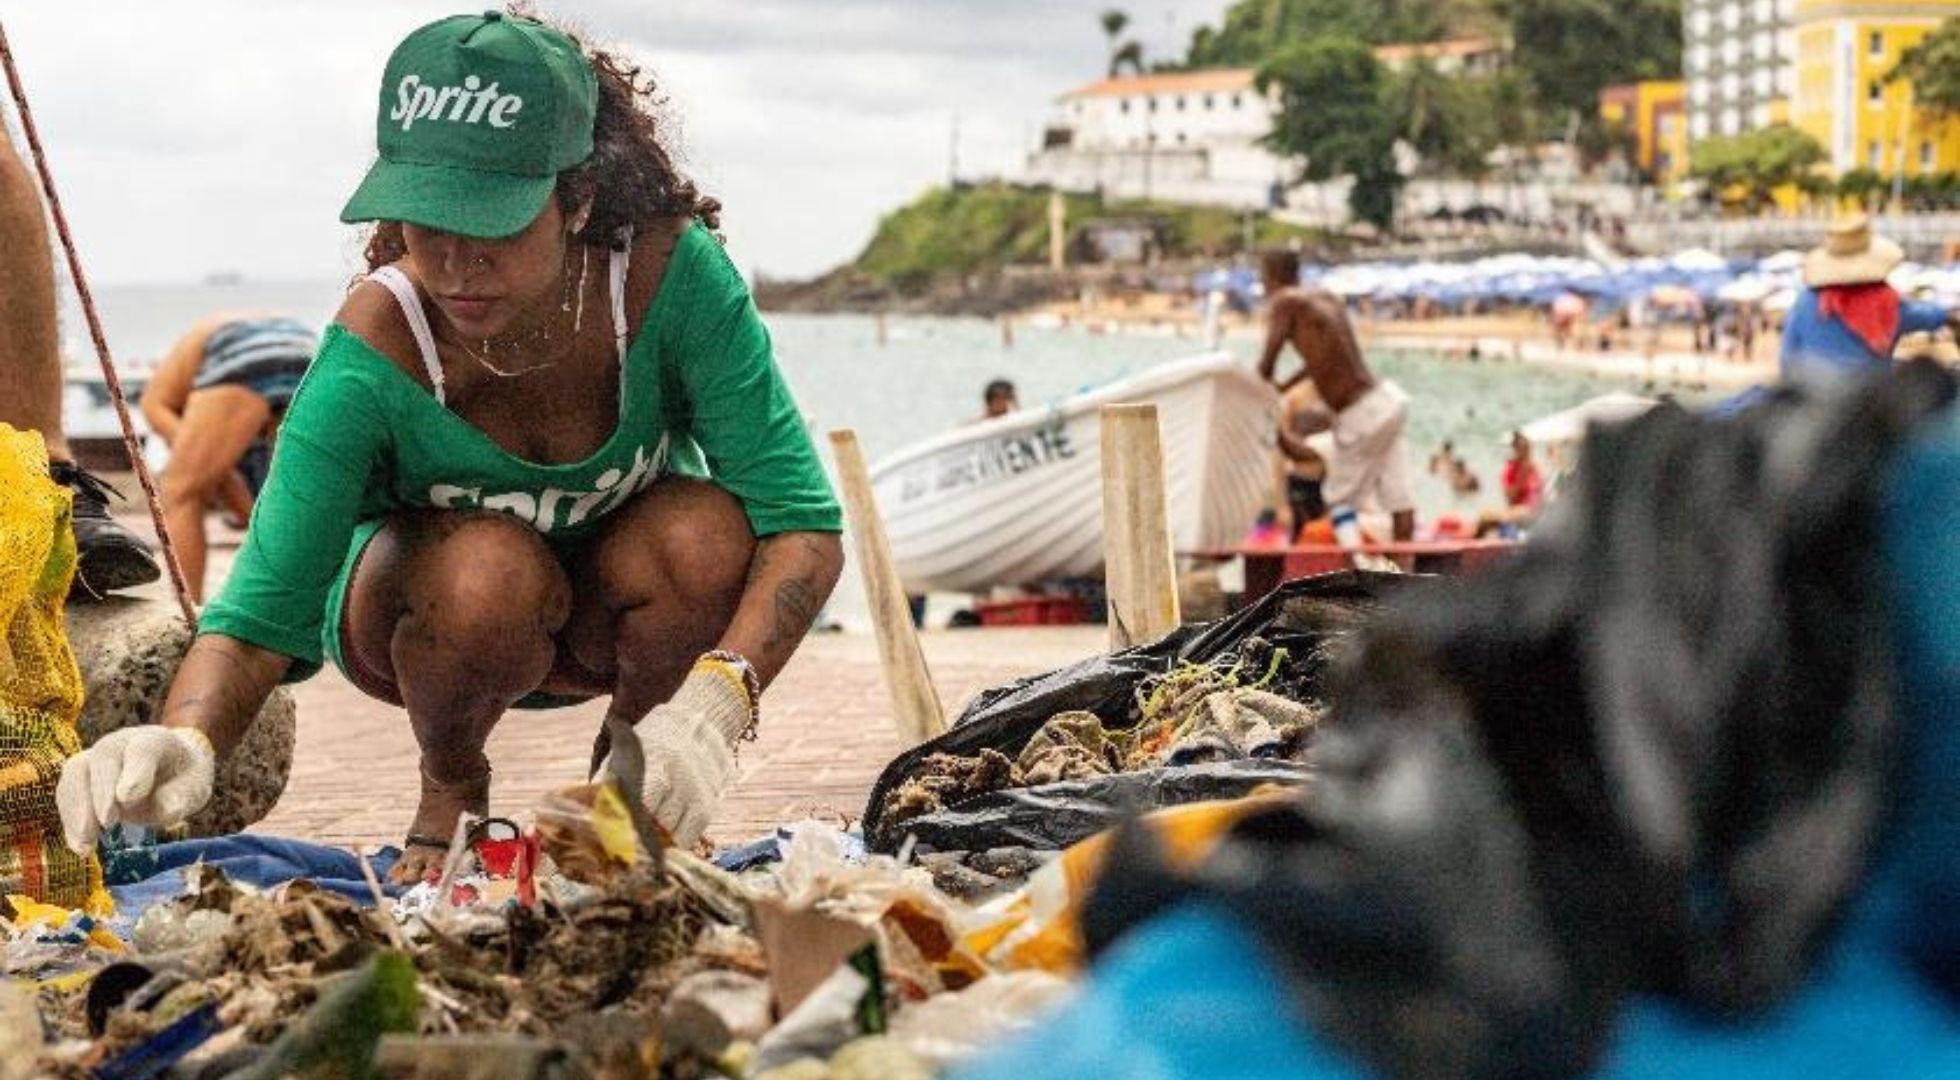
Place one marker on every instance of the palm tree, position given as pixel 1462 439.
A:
pixel 1114 22
pixel 1130 55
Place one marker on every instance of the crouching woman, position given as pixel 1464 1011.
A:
pixel 544 455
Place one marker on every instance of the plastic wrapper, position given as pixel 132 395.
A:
pixel 1307 618
pixel 954 1026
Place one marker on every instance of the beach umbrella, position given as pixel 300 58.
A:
pixel 1698 259
pixel 1673 297
pixel 1746 290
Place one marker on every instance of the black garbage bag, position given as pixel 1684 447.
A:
pixel 1307 618
pixel 1652 754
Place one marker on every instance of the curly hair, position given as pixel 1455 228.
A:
pixel 631 177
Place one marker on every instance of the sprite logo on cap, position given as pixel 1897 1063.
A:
pixel 478 114
pixel 415 101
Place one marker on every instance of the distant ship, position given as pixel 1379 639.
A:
pixel 224 278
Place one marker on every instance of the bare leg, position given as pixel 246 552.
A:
pixel 457 611
pixel 218 426
pixel 30 356
pixel 657 589
pixel 1404 526
pixel 30 382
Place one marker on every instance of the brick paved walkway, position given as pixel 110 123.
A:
pixel 826 733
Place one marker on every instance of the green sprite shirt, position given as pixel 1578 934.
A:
pixel 700 396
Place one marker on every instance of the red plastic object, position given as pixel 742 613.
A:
pixel 1032 611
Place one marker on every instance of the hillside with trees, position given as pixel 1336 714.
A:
pixel 1343 112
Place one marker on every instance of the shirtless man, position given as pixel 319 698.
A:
pixel 1370 465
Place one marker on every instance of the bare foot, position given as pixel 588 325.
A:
pixel 442 806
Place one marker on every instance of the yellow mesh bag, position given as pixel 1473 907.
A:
pixel 40 687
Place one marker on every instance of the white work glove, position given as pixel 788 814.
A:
pixel 689 745
pixel 141 775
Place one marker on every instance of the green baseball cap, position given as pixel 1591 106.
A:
pixel 479 114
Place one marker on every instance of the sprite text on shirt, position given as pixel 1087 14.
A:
pixel 469 103
pixel 555 508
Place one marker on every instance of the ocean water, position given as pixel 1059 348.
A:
pixel 930 373
pixel 928 376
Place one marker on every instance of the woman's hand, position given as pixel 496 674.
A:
pixel 160 775
pixel 141 775
pixel 689 748
pixel 689 742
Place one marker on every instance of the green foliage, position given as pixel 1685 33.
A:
pixel 1337 118
pixel 1571 49
pixel 1932 191
pixel 1254 31
pixel 1453 122
pixel 1122 54
pixel 988 226
pixel 1866 187
pixel 1757 162
pixel 1933 67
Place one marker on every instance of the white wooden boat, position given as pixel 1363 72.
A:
pixel 1018 499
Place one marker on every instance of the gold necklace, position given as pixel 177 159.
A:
pixel 483 359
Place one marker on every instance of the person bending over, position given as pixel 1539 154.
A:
pixel 219 394
pixel 1370 462
pixel 544 455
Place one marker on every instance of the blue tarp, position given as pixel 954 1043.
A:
pixel 143 876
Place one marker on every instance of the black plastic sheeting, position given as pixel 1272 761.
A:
pixel 1307 618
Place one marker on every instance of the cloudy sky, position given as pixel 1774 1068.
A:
pixel 199 135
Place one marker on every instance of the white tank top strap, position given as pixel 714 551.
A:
pixel 397 283
pixel 621 258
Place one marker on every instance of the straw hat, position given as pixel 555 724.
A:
pixel 1851 255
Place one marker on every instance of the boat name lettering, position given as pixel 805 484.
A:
pixel 986 461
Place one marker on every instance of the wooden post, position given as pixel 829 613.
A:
pixel 915 704
pixel 1057 232
pixel 879 319
pixel 1139 566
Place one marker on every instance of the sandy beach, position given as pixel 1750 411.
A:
pixel 1665 359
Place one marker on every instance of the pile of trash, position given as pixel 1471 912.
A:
pixel 1212 712
pixel 1230 709
pixel 581 948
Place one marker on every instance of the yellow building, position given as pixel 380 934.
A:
pixel 1846 50
pixel 1656 114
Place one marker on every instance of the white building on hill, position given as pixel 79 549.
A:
pixel 1189 136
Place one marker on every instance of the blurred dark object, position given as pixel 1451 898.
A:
pixel 1652 754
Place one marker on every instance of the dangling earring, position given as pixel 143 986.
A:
pixel 584 264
